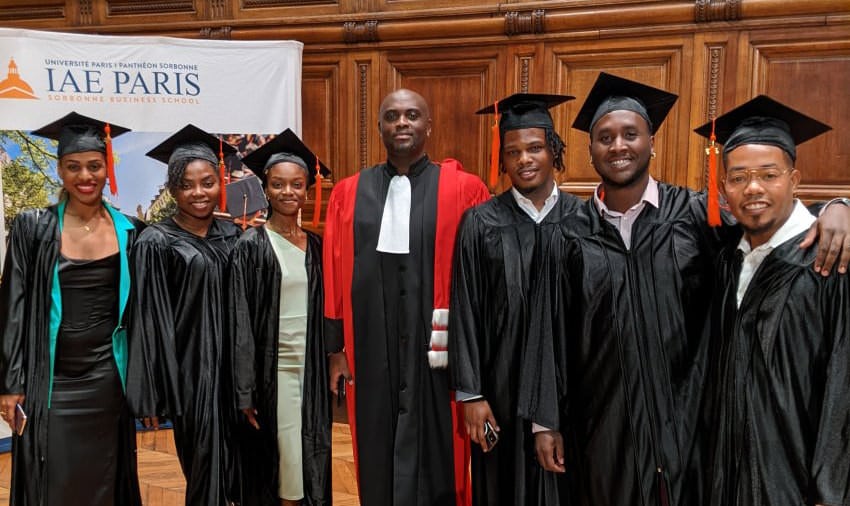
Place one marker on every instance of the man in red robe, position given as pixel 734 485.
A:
pixel 388 245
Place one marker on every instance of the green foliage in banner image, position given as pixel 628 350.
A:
pixel 27 182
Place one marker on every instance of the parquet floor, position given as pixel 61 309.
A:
pixel 162 482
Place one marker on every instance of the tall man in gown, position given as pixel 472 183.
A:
pixel 616 359
pixel 489 307
pixel 780 400
pixel 387 255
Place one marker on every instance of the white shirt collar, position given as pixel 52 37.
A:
pixel 529 208
pixel 650 196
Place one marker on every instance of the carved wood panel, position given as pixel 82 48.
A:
pixel 809 71
pixel 455 83
pixel 657 63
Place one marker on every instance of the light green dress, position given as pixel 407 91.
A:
pixel 292 342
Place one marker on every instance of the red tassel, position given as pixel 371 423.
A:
pixel 713 191
pixel 222 197
pixel 495 150
pixel 317 208
pixel 110 161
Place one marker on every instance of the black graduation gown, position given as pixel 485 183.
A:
pixel 176 350
pixel 403 414
pixel 782 390
pixel 615 358
pixel 254 277
pixel 25 299
pixel 488 323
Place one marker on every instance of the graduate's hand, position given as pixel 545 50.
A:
pixel 150 421
pixel 549 445
pixel 7 406
pixel 475 413
pixel 833 228
pixel 251 415
pixel 338 366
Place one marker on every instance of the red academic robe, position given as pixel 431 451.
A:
pixel 456 191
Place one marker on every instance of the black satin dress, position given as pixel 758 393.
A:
pixel 87 402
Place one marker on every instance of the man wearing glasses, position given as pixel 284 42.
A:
pixel 779 394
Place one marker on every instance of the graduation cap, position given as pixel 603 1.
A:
pixel 612 93
pixel 763 120
pixel 517 112
pixel 287 147
pixel 190 142
pixel 245 197
pixel 77 133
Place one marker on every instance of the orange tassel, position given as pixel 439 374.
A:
pixel 317 208
pixel 495 150
pixel 110 161
pixel 222 198
pixel 713 191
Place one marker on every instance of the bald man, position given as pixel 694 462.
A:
pixel 388 245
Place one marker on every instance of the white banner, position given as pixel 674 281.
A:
pixel 153 84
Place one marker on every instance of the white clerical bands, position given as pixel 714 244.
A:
pixel 395 222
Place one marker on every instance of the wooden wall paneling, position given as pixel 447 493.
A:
pixel 292 11
pixel 366 96
pixel 408 5
pixel 161 12
pixel 321 119
pixel 713 89
pixel 527 70
pixel 456 83
pixel 809 70
pixel 657 62
pixel 32 13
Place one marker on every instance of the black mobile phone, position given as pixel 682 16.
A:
pixel 340 390
pixel 490 435
pixel 20 420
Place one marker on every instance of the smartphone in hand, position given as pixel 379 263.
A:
pixel 490 435
pixel 20 420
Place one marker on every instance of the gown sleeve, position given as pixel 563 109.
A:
pixel 152 369
pixel 465 325
pixel 332 266
pixel 830 471
pixel 240 284
pixel 13 289
pixel 543 378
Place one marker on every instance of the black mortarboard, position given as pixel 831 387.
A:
pixel 285 147
pixel 77 133
pixel 191 142
pixel 763 120
pixel 516 112
pixel 525 110
pixel 612 93
pixel 245 197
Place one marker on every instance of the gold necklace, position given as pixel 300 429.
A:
pixel 85 225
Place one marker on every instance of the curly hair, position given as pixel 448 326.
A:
pixel 556 146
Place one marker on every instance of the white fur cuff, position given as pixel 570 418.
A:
pixel 440 318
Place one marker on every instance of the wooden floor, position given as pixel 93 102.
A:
pixel 162 482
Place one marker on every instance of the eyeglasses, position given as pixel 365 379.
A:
pixel 741 178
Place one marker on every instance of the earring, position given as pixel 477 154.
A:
pixel 652 155
pixel 590 162
pixel 299 217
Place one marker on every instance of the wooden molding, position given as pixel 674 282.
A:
pixel 360 31
pixel 717 10
pixel 32 12
pixel 363 113
pixel 220 33
pixel 129 7
pixel 258 4
pixel 523 23
pixel 86 17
